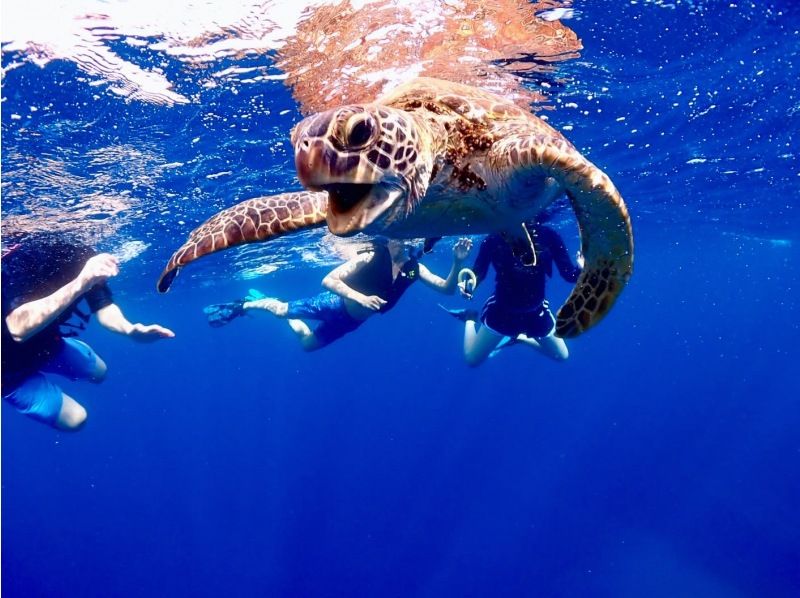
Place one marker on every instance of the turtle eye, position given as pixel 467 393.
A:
pixel 360 131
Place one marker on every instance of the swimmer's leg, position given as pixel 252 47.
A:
pixel 72 415
pixel 77 361
pixel 326 307
pixel 40 398
pixel 479 342
pixel 280 309
pixel 550 346
pixel 276 307
pixel 308 340
pixel 310 308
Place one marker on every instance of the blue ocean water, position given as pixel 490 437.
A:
pixel 661 459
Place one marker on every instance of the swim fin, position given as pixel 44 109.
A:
pixel 506 341
pixel 220 314
pixel 254 295
pixel 465 315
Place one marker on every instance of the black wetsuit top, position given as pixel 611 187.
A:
pixel 34 271
pixel 375 278
pixel 519 286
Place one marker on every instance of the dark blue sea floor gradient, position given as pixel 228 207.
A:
pixel 660 460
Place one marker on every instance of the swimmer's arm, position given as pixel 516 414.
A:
pixel 29 318
pixel 112 318
pixel 566 268
pixel 447 286
pixel 334 280
pixel 437 283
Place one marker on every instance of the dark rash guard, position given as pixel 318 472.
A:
pixel 519 286
pixel 375 278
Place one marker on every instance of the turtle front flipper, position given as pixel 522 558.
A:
pixel 603 221
pixel 252 220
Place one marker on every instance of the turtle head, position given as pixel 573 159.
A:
pixel 372 160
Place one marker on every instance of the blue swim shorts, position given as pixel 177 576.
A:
pixel 330 310
pixel 535 323
pixel 38 396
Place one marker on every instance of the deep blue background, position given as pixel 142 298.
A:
pixel 662 459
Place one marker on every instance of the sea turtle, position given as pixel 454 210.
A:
pixel 435 158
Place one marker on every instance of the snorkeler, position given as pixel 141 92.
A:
pixel 517 311
pixel 370 283
pixel 44 278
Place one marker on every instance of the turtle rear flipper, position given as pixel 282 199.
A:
pixel 603 221
pixel 252 220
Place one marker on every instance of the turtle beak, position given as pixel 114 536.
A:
pixel 354 208
pixel 356 200
pixel 312 164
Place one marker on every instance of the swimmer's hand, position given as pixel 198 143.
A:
pixel 466 288
pixel 580 259
pixel 461 249
pixel 467 281
pixel 98 269
pixel 149 333
pixel 372 302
